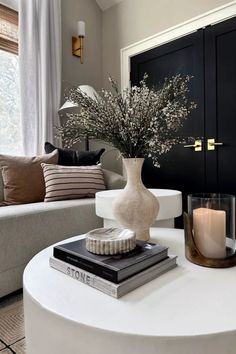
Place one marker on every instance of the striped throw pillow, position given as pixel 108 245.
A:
pixel 72 182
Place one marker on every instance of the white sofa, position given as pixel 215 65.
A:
pixel 28 228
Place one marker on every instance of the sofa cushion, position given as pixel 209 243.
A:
pixel 72 182
pixel 28 228
pixel 23 177
pixel 113 180
pixel 1 188
pixel 75 157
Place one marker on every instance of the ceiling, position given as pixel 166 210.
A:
pixel 105 4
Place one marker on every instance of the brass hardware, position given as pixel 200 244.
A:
pixel 197 145
pixel 211 144
pixel 77 47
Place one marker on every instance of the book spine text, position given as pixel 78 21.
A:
pixel 85 277
pixel 86 265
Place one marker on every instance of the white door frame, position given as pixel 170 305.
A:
pixel 211 17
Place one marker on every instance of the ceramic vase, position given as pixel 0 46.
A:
pixel 135 208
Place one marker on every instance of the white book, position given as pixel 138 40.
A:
pixel 113 289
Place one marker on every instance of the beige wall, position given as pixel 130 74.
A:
pixel 91 71
pixel 106 33
pixel 133 20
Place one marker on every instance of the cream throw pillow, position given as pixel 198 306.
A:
pixel 23 180
pixel 72 182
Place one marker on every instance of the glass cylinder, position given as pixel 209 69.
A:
pixel 213 224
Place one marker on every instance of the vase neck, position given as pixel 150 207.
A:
pixel 133 168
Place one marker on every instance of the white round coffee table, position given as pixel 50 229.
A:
pixel 170 202
pixel 189 310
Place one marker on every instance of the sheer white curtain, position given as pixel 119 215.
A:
pixel 40 71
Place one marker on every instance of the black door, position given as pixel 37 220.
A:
pixel 181 168
pixel 209 55
pixel 220 103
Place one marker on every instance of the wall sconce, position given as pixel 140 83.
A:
pixel 77 42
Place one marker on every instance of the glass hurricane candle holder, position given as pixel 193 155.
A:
pixel 210 230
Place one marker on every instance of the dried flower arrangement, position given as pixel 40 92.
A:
pixel 139 122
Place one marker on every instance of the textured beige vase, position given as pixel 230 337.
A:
pixel 136 208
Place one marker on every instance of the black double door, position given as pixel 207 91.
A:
pixel 209 55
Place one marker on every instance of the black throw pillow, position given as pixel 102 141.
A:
pixel 75 157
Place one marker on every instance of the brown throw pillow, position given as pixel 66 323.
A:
pixel 72 182
pixel 23 177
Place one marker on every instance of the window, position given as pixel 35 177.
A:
pixel 10 126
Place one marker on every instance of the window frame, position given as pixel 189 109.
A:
pixel 11 16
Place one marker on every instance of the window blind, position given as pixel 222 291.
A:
pixel 8 29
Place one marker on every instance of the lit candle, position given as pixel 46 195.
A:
pixel 209 227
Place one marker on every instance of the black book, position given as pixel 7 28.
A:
pixel 113 268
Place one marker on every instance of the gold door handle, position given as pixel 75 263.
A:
pixel 197 145
pixel 211 144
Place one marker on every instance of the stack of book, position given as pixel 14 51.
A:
pixel 114 275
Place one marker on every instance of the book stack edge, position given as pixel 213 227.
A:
pixel 114 275
pixel 108 287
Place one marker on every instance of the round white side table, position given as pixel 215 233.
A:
pixel 189 310
pixel 170 202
